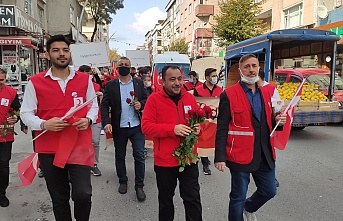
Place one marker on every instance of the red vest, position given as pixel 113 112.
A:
pixel 203 91
pixel 52 102
pixel 7 95
pixel 240 142
pixel 190 86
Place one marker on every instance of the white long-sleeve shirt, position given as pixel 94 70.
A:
pixel 29 106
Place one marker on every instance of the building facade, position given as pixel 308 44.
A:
pixel 101 33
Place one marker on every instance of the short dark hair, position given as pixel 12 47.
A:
pixel 165 68
pixel 208 71
pixel 261 73
pixel 3 70
pixel 124 58
pixel 133 68
pixel 193 73
pixel 55 38
pixel 143 71
pixel 246 57
pixel 85 68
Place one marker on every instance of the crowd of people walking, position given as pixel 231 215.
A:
pixel 129 109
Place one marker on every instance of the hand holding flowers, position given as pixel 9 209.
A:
pixel 135 104
pixel 185 152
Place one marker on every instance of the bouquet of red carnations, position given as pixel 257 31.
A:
pixel 185 152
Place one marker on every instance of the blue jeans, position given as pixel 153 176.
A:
pixel 137 139
pixel 264 179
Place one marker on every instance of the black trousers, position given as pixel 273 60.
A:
pixel 57 181
pixel 166 178
pixel 5 157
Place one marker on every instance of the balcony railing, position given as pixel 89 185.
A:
pixel 204 33
pixel 204 10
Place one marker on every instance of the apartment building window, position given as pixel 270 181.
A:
pixel 190 8
pixel 185 13
pixel 40 14
pixel 293 16
pixel 159 43
pixel 194 4
pixel 202 24
pixel 159 52
pixel 177 18
pixel 181 16
pixel 71 15
pixel 28 6
pixel 201 2
pixel 189 29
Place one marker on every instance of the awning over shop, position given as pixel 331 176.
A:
pixel 17 40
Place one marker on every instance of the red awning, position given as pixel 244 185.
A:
pixel 15 40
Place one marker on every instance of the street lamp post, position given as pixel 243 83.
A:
pixel 80 20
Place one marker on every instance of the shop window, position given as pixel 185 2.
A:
pixel 41 14
pixel 71 14
pixel 28 6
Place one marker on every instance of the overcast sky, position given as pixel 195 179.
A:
pixel 131 23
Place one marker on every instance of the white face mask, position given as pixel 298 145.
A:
pixel 148 84
pixel 214 80
pixel 248 80
pixel 191 80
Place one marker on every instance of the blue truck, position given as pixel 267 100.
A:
pixel 295 48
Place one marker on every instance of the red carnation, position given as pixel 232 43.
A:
pixel 201 113
pixel 208 111
pixel 192 113
pixel 132 93
pixel 128 100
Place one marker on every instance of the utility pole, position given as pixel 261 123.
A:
pixel 80 21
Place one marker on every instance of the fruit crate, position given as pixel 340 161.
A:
pixel 328 105
pixel 307 105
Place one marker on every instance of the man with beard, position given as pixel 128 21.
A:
pixel 65 151
pixel 126 97
pixel 243 142
pixel 165 119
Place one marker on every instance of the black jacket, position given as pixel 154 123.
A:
pixel 111 102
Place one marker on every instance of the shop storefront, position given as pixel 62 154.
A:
pixel 336 27
pixel 21 38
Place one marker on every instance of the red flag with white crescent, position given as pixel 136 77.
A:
pixel 281 137
pixel 157 82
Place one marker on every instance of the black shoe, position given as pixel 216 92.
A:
pixel 140 194
pixel 95 171
pixel 277 183
pixel 122 188
pixel 206 170
pixel 40 174
pixel 4 202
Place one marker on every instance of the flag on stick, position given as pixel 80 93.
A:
pixel 281 137
pixel 27 169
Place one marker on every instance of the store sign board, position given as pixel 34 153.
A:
pixel 336 27
pixel 15 40
pixel 7 16
pixel 27 23
pixel 94 54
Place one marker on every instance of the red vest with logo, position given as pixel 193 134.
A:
pixel 52 102
pixel 240 142
pixel 7 95
pixel 205 92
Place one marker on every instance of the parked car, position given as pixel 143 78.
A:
pixel 321 77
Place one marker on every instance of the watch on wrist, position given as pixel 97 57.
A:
pixel 90 122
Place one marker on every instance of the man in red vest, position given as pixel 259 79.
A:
pixel 208 89
pixel 243 142
pixel 9 103
pixel 65 151
pixel 193 81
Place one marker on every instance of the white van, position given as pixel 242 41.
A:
pixel 172 58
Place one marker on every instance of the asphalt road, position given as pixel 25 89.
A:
pixel 309 171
